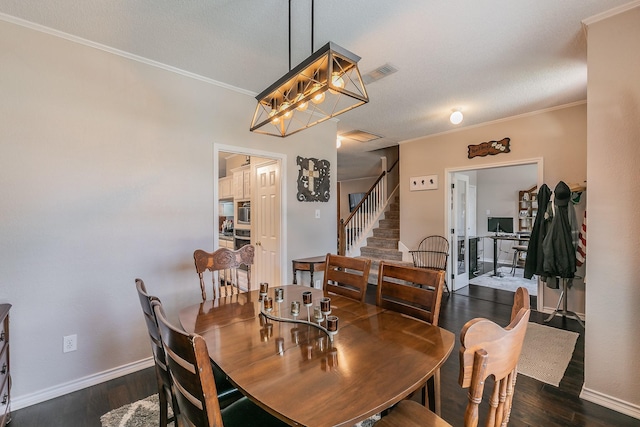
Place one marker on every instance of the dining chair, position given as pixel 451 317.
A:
pixel 346 276
pixel 486 350
pixel 416 292
pixel 230 270
pixel 194 386
pixel 227 392
pixel 432 252
pixel 162 372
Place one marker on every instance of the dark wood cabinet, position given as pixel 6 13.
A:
pixel 5 378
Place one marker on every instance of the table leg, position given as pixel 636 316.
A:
pixel 311 273
pixel 295 282
pixel 495 257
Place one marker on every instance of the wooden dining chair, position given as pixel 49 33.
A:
pixel 162 372
pixel 227 392
pixel 194 385
pixel 346 276
pixel 416 292
pixel 230 270
pixel 486 350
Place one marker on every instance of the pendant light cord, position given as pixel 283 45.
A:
pixel 313 10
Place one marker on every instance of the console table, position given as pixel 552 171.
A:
pixel 311 265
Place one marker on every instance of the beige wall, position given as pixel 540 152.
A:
pixel 108 175
pixel 612 347
pixel 558 136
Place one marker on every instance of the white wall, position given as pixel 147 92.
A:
pixel 613 271
pixel 107 175
pixel 498 193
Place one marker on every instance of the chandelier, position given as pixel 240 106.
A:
pixel 324 85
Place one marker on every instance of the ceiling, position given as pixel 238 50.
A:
pixel 492 59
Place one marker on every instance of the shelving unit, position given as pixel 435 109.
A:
pixel 527 208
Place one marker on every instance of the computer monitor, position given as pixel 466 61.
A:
pixel 500 224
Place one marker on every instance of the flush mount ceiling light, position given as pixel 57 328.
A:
pixel 324 85
pixel 456 117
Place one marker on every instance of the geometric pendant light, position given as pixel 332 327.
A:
pixel 322 86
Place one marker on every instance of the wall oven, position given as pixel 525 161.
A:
pixel 242 238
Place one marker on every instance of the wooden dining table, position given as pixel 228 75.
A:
pixel 300 375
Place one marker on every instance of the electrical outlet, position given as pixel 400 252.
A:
pixel 69 343
pixel 317 213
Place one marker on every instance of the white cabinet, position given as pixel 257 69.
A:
pixel 242 183
pixel 225 187
pixel 223 243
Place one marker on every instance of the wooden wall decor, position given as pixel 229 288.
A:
pixel 313 180
pixel 489 148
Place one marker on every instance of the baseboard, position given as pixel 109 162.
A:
pixel 609 402
pixel 19 402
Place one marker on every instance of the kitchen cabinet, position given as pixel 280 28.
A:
pixel 242 183
pixel 224 243
pixel 225 187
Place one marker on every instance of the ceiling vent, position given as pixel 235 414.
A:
pixel 360 135
pixel 380 72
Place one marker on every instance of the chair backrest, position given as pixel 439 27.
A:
pixel 414 291
pixel 230 270
pixel 346 276
pixel 159 357
pixel 432 252
pixel 190 367
pixel 490 350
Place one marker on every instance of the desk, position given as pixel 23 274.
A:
pixel 495 247
pixel 311 265
pixel 294 371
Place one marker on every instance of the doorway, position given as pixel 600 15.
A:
pixel 495 187
pixel 266 203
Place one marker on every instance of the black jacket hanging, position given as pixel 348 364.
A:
pixel 533 262
pixel 557 247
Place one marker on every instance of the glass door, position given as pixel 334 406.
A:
pixel 460 226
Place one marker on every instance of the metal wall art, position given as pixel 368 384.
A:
pixel 313 180
pixel 490 148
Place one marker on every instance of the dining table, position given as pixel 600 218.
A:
pixel 306 376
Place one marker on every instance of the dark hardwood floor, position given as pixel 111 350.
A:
pixel 535 403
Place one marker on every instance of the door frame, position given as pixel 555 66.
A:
pixel 448 178
pixel 282 160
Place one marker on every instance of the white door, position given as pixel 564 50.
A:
pixel 459 222
pixel 266 230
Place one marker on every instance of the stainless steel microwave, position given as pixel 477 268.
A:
pixel 244 213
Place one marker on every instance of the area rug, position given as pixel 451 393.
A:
pixel 507 282
pixel 146 413
pixel 546 353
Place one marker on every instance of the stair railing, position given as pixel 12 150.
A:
pixel 353 229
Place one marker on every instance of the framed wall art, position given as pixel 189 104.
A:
pixel 313 180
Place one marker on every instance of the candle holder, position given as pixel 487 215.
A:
pixel 332 321
pixel 295 308
pixel 325 306
pixel 264 287
pixel 279 292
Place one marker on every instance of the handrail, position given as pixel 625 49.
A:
pixel 366 212
pixel 364 198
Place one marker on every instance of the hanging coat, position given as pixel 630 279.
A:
pixel 533 262
pixel 558 249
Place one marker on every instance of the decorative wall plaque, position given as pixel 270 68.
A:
pixel 490 148
pixel 313 180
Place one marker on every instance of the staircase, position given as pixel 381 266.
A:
pixel 383 245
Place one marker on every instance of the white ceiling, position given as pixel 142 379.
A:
pixel 492 58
